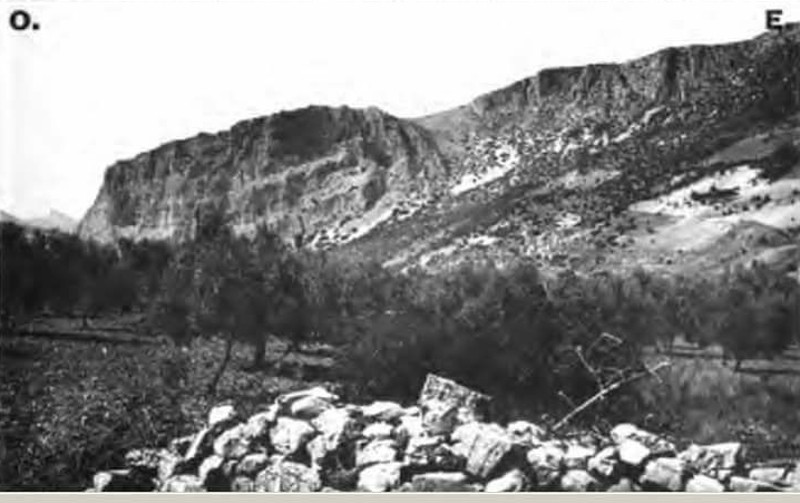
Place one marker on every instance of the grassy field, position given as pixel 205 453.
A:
pixel 707 401
pixel 72 407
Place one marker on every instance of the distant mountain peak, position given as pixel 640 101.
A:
pixel 53 220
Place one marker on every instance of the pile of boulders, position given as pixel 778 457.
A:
pixel 309 441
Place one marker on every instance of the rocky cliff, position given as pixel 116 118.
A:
pixel 330 173
pixel 338 176
pixel 748 72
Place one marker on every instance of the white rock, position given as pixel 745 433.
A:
pixel 377 451
pixel 287 476
pixel 409 427
pixel 715 460
pixel 632 452
pixel 547 455
pixel 441 482
pixel 233 443
pixel 469 404
pixel 336 426
pixel 413 411
pixel 183 484
pixel 623 431
pixel 290 435
pixel 483 445
pixel 656 445
pixel 433 454
pixel 317 451
pixel 380 477
pixel 419 448
pixel 793 477
pixel 623 485
pixel 744 485
pixel 251 464
pixel 209 465
pixel 579 481
pixel 167 465
pixel 769 474
pixel 604 463
pixel 382 411
pixel 664 474
pixel 258 424
pixel 317 392
pixel 221 414
pixel 525 433
pixel 513 481
pixel 547 461
pixel 704 484
pixel 309 407
pixel 440 418
pixel 377 431
pixel 577 456
pixel 243 484
pixel 202 444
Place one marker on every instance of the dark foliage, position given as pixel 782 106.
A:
pixel 781 162
pixel 537 346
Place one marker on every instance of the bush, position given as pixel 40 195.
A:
pixel 781 162
pixel 492 329
pixel 498 331
pixel 759 313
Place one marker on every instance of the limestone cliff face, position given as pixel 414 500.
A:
pixel 335 174
pixel 727 75
pixel 330 165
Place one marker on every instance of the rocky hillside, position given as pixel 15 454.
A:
pixel 553 166
pixel 308 441
pixel 329 174
pixel 556 166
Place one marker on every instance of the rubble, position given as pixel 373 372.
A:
pixel 380 477
pixel 222 414
pixel 289 435
pixel 307 441
pixel 513 481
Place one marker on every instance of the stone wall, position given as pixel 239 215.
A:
pixel 310 441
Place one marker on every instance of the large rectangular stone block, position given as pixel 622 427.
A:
pixel 472 405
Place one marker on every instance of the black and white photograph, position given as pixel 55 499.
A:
pixel 400 246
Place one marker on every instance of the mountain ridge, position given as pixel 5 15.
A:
pixel 337 176
pixel 53 220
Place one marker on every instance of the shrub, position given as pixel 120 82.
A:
pixel 781 162
pixel 492 329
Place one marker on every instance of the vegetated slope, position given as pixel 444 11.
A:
pixel 554 162
pixel 551 166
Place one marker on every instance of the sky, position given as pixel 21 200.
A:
pixel 101 81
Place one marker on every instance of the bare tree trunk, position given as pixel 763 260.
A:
pixel 259 353
pixel 212 386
